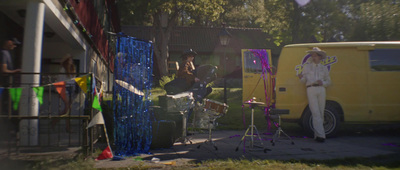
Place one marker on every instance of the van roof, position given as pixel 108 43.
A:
pixel 349 44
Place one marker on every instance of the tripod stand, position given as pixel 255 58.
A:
pixel 278 131
pixel 209 140
pixel 251 128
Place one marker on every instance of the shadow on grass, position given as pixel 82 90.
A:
pixel 386 161
pixel 378 162
pixel 53 159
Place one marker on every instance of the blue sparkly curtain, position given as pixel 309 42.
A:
pixel 131 99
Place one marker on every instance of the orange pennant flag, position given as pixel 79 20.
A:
pixel 82 82
pixel 60 87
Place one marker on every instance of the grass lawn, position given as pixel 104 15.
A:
pixel 380 162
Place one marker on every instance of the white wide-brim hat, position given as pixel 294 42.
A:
pixel 318 51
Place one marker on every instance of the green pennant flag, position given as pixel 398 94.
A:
pixel 15 96
pixel 96 103
pixel 39 93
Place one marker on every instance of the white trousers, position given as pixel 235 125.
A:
pixel 316 101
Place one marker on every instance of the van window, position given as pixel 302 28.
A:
pixel 385 60
pixel 252 63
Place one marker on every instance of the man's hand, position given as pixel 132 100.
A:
pixel 300 76
pixel 320 82
pixel 196 79
pixel 17 70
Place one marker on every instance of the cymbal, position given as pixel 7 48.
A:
pixel 255 103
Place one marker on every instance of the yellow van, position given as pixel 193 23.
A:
pixel 365 84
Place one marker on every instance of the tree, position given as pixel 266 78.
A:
pixel 163 16
pixel 289 23
pixel 243 13
pixel 376 21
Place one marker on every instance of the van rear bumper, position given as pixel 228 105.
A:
pixel 279 111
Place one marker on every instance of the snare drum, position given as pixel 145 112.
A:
pixel 220 109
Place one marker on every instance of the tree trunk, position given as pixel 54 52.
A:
pixel 295 23
pixel 161 51
pixel 161 37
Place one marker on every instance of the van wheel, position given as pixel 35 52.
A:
pixel 331 121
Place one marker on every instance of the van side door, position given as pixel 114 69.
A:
pixel 253 80
pixel 384 85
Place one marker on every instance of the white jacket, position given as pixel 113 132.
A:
pixel 313 72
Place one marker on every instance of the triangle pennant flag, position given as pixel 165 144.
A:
pixel 101 91
pixel 89 82
pixel 97 120
pixel 15 96
pixel 82 82
pixel 60 87
pixel 1 90
pixel 105 154
pixel 94 85
pixel 96 103
pixel 39 93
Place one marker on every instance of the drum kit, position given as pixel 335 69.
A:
pixel 208 111
pixel 183 102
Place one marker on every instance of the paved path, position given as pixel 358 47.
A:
pixel 304 148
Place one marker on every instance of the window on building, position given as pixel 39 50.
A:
pixel 385 60
pixel 252 63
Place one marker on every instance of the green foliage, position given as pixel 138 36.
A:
pixel 166 79
pixel 188 11
pixel 327 20
pixel 283 20
pixel 376 21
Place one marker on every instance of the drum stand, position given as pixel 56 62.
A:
pixel 251 129
pixel 209 140
pixel 278 132
pixel 184 137
pixel 183 103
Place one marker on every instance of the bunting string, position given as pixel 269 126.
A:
pixel 83 83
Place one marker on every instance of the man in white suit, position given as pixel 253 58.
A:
pixel 316 77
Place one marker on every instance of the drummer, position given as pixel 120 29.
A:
pixel 187 72
pixel 186 68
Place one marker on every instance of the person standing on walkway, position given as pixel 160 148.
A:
pixel 6 64
pixel 67 73
pixel 6 72
pixel 316 77
pixel 7 69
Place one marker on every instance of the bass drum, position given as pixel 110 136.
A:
pixel 206 73
pixel 176 86
pixel 201 119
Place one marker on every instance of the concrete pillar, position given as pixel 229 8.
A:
pixel 31 63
